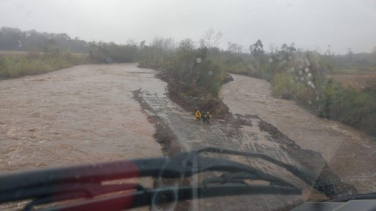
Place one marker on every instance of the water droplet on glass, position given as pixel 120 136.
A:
pixel 270 60
pixel 309 75
pixel 302 78
pixel 306 70
pixel 210 73
pixel 307 62
pixel 108 60
pixel 199 60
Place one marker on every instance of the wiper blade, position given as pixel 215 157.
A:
pixel 86 180
pixel 40 183
pixel 159 196
pixel 354 197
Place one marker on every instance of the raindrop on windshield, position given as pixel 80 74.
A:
pixel 210 73
pixel 307 62
pixel 199 60
pixel 108 60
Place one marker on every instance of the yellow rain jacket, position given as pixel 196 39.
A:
pixel 198 114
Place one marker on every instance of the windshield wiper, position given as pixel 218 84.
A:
pixel 86 181
pixel 354 197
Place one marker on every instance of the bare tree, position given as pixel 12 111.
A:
pixel 131 42
pixel 211 39
pixel 234 48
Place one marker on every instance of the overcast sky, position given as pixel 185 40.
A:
pixel 312 24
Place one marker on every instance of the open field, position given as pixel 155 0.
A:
pixel 357 79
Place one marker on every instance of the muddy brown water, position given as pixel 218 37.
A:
pixel 83 114
pixel 76 115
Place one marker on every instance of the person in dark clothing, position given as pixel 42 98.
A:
pixel 207 118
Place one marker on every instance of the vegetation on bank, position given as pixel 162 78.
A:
pixel 31 64
pixel 304 76
pixel 112 53
pixel 193 79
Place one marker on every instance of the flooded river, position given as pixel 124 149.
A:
pixel 77 115
pixel 95 113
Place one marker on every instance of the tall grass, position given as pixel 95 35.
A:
pixel 31 64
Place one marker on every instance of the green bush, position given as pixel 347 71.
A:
pixel 112 53
pixel 283 86
pixel 350 106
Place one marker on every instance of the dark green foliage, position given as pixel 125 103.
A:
pixel 193 78
pixel 13 39
pixel 112 53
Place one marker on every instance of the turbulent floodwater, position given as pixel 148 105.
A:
pixel 77 115
pixel 348 152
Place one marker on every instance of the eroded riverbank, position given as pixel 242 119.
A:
pixel 349 153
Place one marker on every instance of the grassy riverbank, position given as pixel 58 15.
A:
pixel 31 64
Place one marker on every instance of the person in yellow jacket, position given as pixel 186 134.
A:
pixel 198 115
pixel 207 117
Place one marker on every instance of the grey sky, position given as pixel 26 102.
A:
pixel 309 24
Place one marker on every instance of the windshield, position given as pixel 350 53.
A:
pixel 83 82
